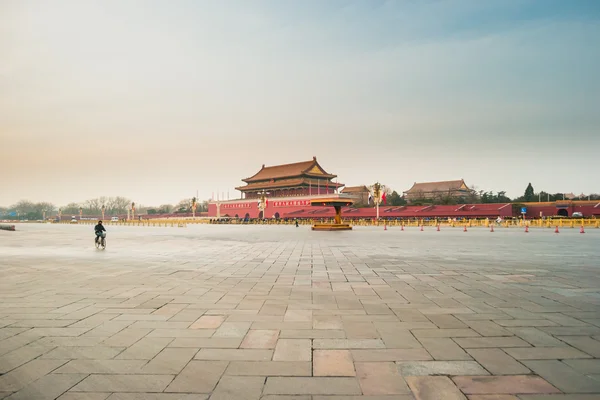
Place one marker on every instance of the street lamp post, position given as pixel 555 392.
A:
pixel 103 209
pixel 377 190
pixel 132 210
pixel 59 214
pixel 80 213
pixel 262 205
pixel 194 207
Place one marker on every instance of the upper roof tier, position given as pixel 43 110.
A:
pixel 304 168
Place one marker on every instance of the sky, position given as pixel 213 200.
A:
pixel 157 101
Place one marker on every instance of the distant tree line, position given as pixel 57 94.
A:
pixel 113 206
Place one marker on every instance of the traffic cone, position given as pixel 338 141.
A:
pixel 421 228
pixel 526 228
pixel 438 227
pixel 385 227
pixel 402 227
pixel 556 230
pixel 464 230
pixel 491 228
pixel 581 230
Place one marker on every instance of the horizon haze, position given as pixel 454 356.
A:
pixel 157 101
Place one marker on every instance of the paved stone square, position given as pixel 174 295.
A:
pixel 282 313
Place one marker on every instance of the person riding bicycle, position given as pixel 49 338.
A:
pixel 98 229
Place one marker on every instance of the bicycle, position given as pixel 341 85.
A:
pixel 102 241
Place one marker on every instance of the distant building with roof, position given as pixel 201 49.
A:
pixel 296 179
pixel 360 193
pixel 433 190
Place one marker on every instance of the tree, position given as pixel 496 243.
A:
pixel 71 208
pixel 184 206
pixel 502 198
pixel 529 193
pixel 165 209
pixel 395 199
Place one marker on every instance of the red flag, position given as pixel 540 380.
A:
pixel 383 198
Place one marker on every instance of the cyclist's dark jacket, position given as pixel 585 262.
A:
pixel 99 228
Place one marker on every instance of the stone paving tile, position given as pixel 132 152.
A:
pixel 536 337
pixel 312 385
pixel 157 396
pixel 488 328
pixel 269 368
pixel 586 366
pixel 48 387
pixel 434 388
pixel 198 377
pixel 84 396
pixel 238 387
pixel 559 397
pixel 444 349
pixel 514 384
pixel 293 350
pixel 444 333
pixel 348 344
pixel 123 383
pixel 545 353
pixel 425 368
pixel 380 378
pixel 260 339
pixel 400 339
pixel 20 377
pixel 498 362
pixel 333 363
pixel 563 376
pixel 492 397
pixel 209 343
pixel 230 329
pixel 489 341
pixel 391 355
pixel 21 356
pixel 312 334
pixel 583 343
pixel 89 352
pixel 145 349
pixel 237 355
pixel 169 361
pixel 101 367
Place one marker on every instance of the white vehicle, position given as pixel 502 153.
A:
pixel 114 219
pixel 73 221
pixel 577 214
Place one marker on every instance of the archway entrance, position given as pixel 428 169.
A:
pixel 562 212
pixel 276 215
pixel 260 215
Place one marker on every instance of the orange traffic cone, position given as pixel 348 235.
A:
pixel 582 230
pixel 464 230
pixel 491 228
pixel 402 227
pixel 385 227
pixel 421 228
pixel 526 228
pixel 556 230
pixel 438 227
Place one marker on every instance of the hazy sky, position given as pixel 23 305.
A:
pixel 154 100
